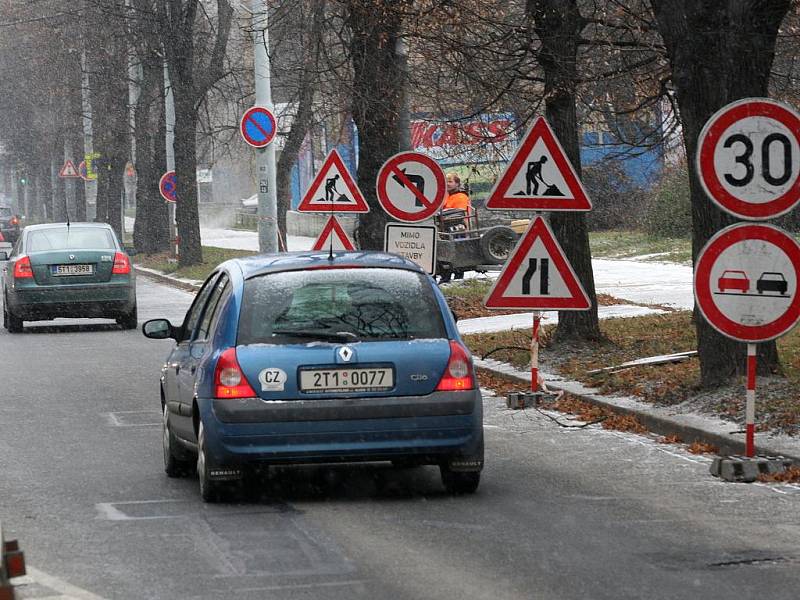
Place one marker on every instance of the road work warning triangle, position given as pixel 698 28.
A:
pixel 333 189
pixel 537 275
pixel 333 236
pixel 68 170
pixel 539 176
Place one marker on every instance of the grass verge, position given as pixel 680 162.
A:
pixel 212 256
pixel 627 244
pixel 778 398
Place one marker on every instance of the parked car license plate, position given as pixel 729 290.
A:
pixel 72 269
pixel 346 380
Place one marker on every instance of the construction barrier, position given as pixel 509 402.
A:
pixel 12 564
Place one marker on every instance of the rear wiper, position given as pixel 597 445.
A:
pixel 336 336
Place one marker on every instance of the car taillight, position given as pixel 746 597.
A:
pixel 229 381
pixel 458 375
pixel 14 221
pixel 122 264
pixel 2 239
pixel 22 268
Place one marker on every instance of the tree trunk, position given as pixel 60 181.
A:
pixel 377 100
pixel 720 51
pixel 187 212
pixel 151 228
pixel 302 120
pixel 558 24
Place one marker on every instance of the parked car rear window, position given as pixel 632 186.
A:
pixel 363 304
pixel 76 238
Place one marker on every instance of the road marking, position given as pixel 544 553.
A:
pixel 67 590
pixel 121 418
pixel 304 585
pixel 110 512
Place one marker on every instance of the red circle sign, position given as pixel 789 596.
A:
pixel 748 158
pixel 746 282
pixel 411 187
pixel 258 127
pixel 168 186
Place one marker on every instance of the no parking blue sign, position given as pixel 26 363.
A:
pixel 168 186
pixel 258 127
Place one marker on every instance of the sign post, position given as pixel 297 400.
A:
pixel 539 177
pixel 745 283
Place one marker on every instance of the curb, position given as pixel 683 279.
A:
pixel 166 279
pixel 728 445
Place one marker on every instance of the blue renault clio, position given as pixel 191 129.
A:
pixel 313 357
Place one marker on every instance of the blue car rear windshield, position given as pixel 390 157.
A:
pixel 76 238
pixel 339 305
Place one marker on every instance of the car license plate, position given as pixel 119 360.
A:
pixel 346 380
pixel 72 269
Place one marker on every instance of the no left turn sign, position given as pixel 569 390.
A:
pixel 748 158
pixel 746 282
pixel 410 187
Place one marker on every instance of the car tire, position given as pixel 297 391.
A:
pixel 497 243
pixel 458 482
pixel 10 322
pixel 176 460
pixel 210 491
pixel 129 320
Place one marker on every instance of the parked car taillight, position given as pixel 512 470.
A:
pixel 14 221
pixel 229 381
pixel 122 264
pixel 458 375
pixel 22 268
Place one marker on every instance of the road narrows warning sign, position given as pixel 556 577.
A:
pixel 746 282
pixel 537 275
pixel 333 189
pixel 410 187
pixel 333 237
pixel 539 176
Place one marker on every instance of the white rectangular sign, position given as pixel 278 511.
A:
pixel 415 242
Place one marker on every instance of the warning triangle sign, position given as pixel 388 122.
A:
pixel 333 236
pixel 333 189
pixel 537 275
pixel 68 170
pixel 539 176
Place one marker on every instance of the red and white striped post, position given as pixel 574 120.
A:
pixel 750 402
pixel 537 320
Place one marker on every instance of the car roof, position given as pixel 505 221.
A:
pixel 72 224
pixel 261 264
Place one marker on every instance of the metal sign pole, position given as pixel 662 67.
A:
pixel 750 404
pixel 537 320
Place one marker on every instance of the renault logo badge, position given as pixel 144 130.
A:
pixel 345 353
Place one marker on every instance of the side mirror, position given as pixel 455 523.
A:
pixel 129 250
pixel 158 329
pixel 455 316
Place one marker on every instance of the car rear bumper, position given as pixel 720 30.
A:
pixel 73 301
pixel 436 427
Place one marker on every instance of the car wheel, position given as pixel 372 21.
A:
pixel 129 320
pixel 210 491
pixel 176 463
pixel 457 482
pixel 10 322
pixel 497 243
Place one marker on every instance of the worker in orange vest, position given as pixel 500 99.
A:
pixel 456 196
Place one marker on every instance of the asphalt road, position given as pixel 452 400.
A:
pixel 561 513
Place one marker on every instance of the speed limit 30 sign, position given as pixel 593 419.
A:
pixel 748 158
